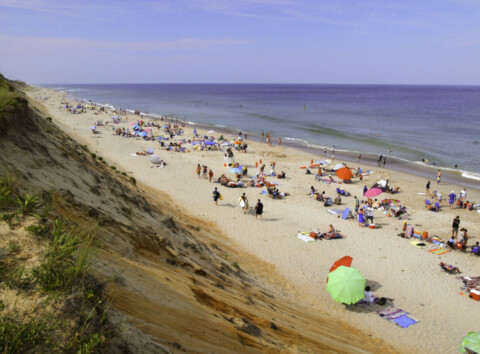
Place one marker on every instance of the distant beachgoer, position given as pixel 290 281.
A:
pixel 357 204
pixel 451 199
pixel 365 189
pixel 259 210
pixel 389 151
pixel 359 157
pixel 427 188
pixel 333 149
pixel 455 226
pixel 384 161
pixel 279 141
pixel 204 172
pixel 243 201
pixel 439 176
pixel 216 196
pixel 210 175
pixel 199 169
pixel 463 195
pixel 325 151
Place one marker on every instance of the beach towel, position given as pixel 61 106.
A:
pixel 305 236
pixel 439 251
pixel 346 213
pixel 335 211
pixel 404 321
pixel 398 316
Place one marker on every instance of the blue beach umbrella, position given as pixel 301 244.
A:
pixel 143 134
pixel 115 117
pixel 93 127
pixel 164 126
pixel 208 142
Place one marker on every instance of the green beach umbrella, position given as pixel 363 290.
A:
pixel 346 285
pixel 470 342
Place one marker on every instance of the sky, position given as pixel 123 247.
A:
pixel 241 41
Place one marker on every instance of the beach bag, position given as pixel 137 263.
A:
pixel 313 235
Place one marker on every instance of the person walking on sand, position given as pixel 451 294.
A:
pixel 384 161
pixel 439 176
pixel 357 204
pixel 259 210
pixel 359 157
pixel 427 188
pixel 204 172
pixel 210 175
pixel 455 226
pixel 199 169
pixel 243 201
pixel 216 196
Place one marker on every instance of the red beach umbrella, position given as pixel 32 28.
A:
pixel 344 261
pixel 344 173
pixel 373 192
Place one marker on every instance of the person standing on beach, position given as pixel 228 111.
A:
pixel 243 201
pixel 455 226
pixel 199 169
pixel 357 204
pixel 210 175
pixel 204 172
pixel 279 141
pixel 359 157
pixel 384 161
pixel 427 188
pixel 325 151
pixel 439 176
pixel 259 210
pixel 216 196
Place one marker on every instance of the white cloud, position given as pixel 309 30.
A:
pixel 49 45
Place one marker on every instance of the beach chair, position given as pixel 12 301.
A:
pixel 427 203
pixel 437 206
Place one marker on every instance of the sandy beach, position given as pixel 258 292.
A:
pixel 394 266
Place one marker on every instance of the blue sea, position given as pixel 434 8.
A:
pixel 433 125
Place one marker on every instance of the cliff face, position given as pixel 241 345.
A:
pixel 175 282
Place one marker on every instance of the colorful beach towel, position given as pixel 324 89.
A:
pixel 439 251
pixel 398 316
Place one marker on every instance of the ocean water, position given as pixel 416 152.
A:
pixel 440 124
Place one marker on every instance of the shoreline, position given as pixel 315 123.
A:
pixel 390 263
pixel 449 175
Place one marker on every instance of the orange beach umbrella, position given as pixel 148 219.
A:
pixel 344 261
pixel 345 173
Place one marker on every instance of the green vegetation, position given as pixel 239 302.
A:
pixel 133 180
pixel 84 148
pixel 28 203
pixel 65 260
pixel 37 229
pixel 113 167
pixel 17 337
pixel 80 327
pixel 8 96
pixel 93 155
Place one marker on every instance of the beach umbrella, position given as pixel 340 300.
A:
pixel 143 134
pixel 155 159
pixel 236 169
pixel 323 162
pixel 148 129
pixel 470 343
pixel 93 127
pixel 346 285
pixel 373 192
pixel 208 142
pixel 164 126
pixel 344 261
pixel 133 123
pixel 115 117
pixel 338 166
pixel 344 173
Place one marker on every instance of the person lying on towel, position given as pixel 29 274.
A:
pixel 449 267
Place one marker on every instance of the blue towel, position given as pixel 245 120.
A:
pixel 404 321
pixel 345 214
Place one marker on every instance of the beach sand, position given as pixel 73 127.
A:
pixel 392 265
